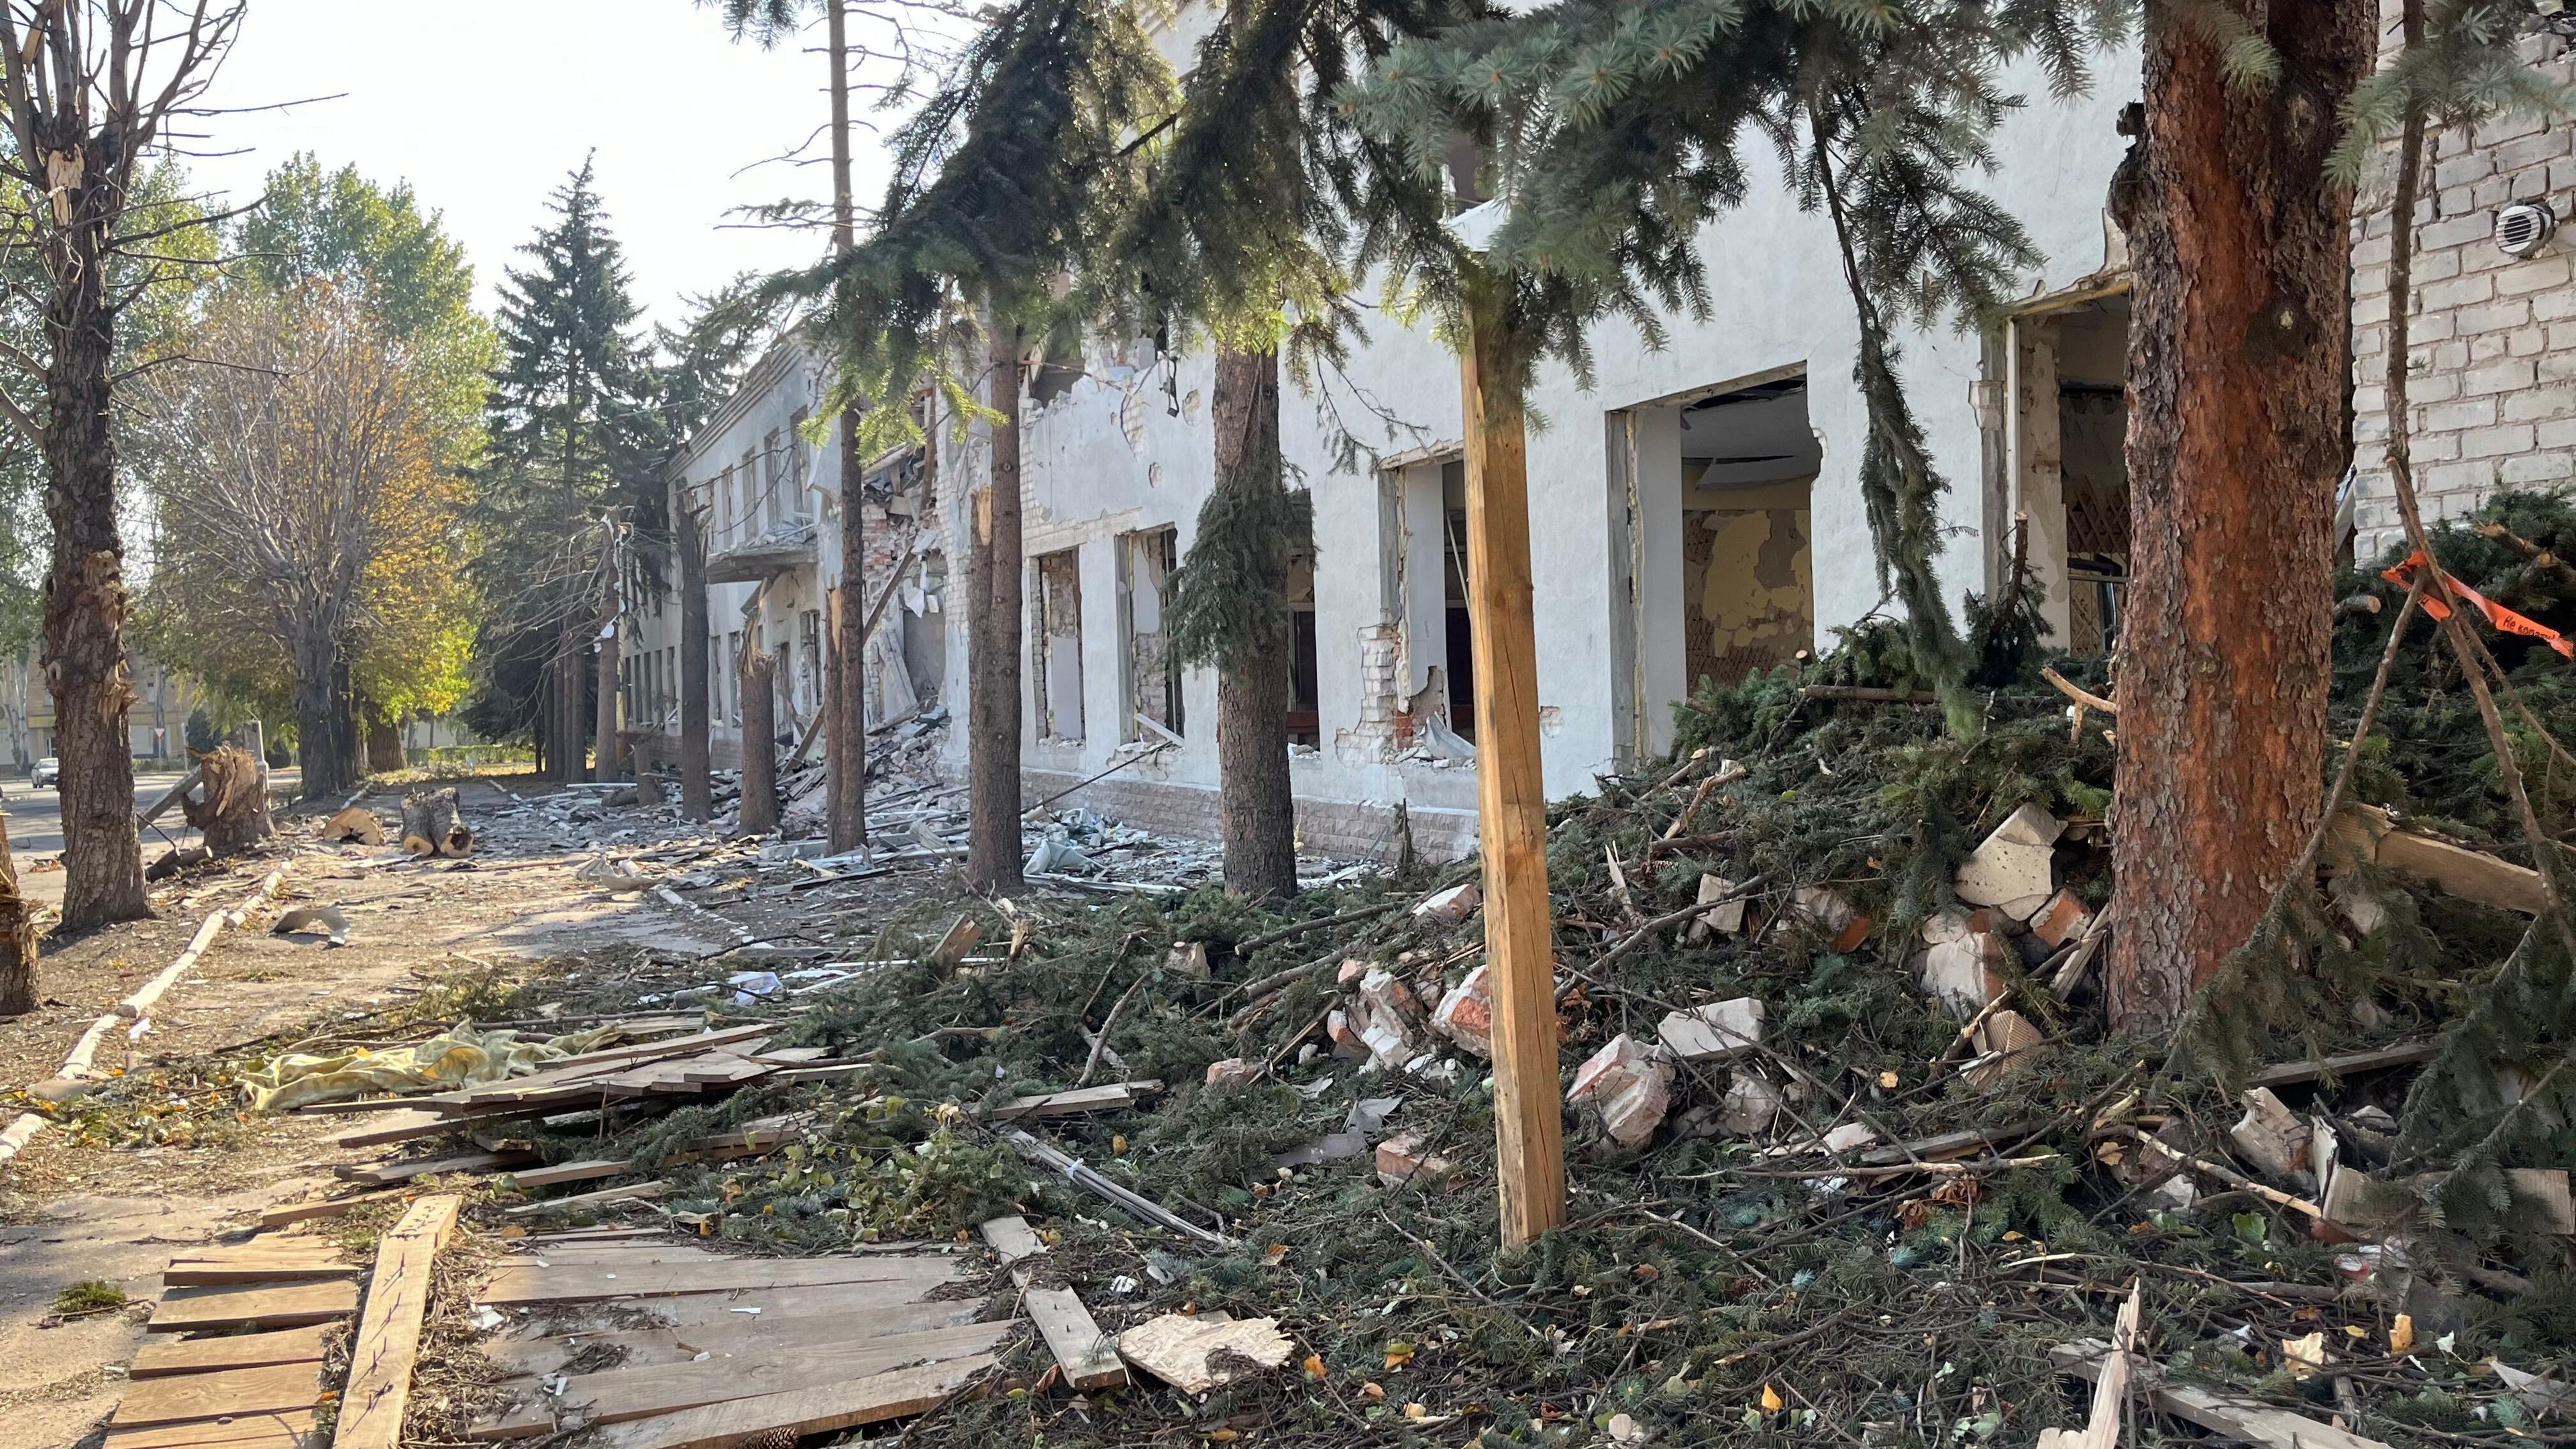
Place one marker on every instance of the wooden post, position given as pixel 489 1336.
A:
pixel 1511 798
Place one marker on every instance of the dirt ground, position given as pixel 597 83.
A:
pixel 107 1199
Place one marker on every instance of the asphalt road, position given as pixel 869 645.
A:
pixel 36 825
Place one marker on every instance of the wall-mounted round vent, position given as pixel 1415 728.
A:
pixel 2521 228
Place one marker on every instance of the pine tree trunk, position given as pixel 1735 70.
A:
pixel 85 597
pixel 17 938
pixel 2237 371
pixel 697 793
pixel 759 681
pixel 993 641
pixel 605 765
pixel 572 696
pixel 1256 806
pixel 845 722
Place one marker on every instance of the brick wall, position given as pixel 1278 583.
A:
pixel 2492 355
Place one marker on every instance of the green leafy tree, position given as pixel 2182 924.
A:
pixel 567 414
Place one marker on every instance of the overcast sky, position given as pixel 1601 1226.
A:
pixel 485 107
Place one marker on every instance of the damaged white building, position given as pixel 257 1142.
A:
pixel 1695 514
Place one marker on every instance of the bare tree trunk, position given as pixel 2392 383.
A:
pixel 606 765
pixel 85 597
pixel 319 751
pixel 572 701
pixel 1255 804
pixel 2237 367
pixel 993 641
pixel 697 793
pixel 759 742
pixel 845 737
pixel 17 938
pixel 384 742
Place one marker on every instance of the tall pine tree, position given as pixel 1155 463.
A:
pixel 568 445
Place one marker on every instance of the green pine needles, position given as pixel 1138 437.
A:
pixel 1226 608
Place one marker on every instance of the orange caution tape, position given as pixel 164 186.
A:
pixel 2505 620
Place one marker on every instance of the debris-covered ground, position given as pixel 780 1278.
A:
pixel 1852 1157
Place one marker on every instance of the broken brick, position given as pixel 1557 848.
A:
pixel 1407 1159
pixel 1466 1014
pixel 1345 1035
pixel 1713 1032
pixel 1630 1085
pixel 2063 919
pixel 1453 905
pixel 1233 1072
pixel 1843 927
pixel 1964 973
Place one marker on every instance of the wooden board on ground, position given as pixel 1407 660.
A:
pixel 287 1306
pixel 297 1212
pixel 163 1357
pixel 823 1409
pixel 380 1362
pixel 590 1283
pixel 2249 1421
pixel 848 1300
pixel 631 1192
pixel 616 1395
pixel 1109 1098
pixel 1088 1357
pixel 383 1173
pixel 572 1172
pixel 388 1127
pixel 221 1394
pixel 742 1336
pixel 573 1070
pixel 2404 1054
pixel 201 1273
pixel 293 1429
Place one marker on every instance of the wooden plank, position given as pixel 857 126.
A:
pixel 1109 1098
pixel 615 1395
pixel 389 1127
pixel 818 1410
pixel 163 1357
pixel 592 1283
pixel 525 1417
pixel 199 1275
pixel 220 1394
pixel 2248 1421
pixel 573 1069
pixel 1088 1356
pixel 1511 797
pixel 384 1173
pixel 292 1429
pixel 773 1305
pixel 2405 1054
pixel 297 1212
pixel 380 1361
pixel 572 1172
pixel 290 1306
pixel 740 1335
pixel 631 1192
pixel 2366 832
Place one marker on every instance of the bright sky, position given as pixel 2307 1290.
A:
pixel 486 106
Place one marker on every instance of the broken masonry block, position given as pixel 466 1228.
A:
pixel 1723 916
pixel 1948 926
pixel 1453 905
pixel 1713 1032
pixel 1752 1104
pixel 2015 869
pixel 1466 1014
pixel 2063 919
pixel 1630 1085
pixel 1964 973
pixel 1345 1035
pixel 1390 1044
pixel 1389 998
pixel 2272 1137
pixel 1233 1072
pixel 1843 927
pixel 1407 1159
pixel 1352 969
pixel 1188 959
pixel 2004 1044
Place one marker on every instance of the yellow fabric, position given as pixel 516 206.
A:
pixel 458 1057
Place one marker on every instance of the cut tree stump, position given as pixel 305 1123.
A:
pixel 434 824
pixel 231 805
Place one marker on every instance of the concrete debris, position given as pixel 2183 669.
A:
pixel 1206 1351
pixel 1965 973
pixel 1752 1104
pixel 2272 1137
pixel 1715 1032
pixel 1187 959
pixel 323 921
pixel 1724 917
pixel 1466 1014
pixel 1630 1085
pixel 1407 1161
pixel 1452 906
pixel 2015 869
pixel 611 875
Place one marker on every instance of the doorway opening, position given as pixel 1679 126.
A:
pixel 2066 469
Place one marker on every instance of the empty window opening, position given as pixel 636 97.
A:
pixel 1457 620
pixel 1145 564
pixel 1747 461
pixel 1305 680
pixel 925 650
pixel 2068 471
pixel 1058 595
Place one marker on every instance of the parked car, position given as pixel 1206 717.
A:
pixel 48 770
